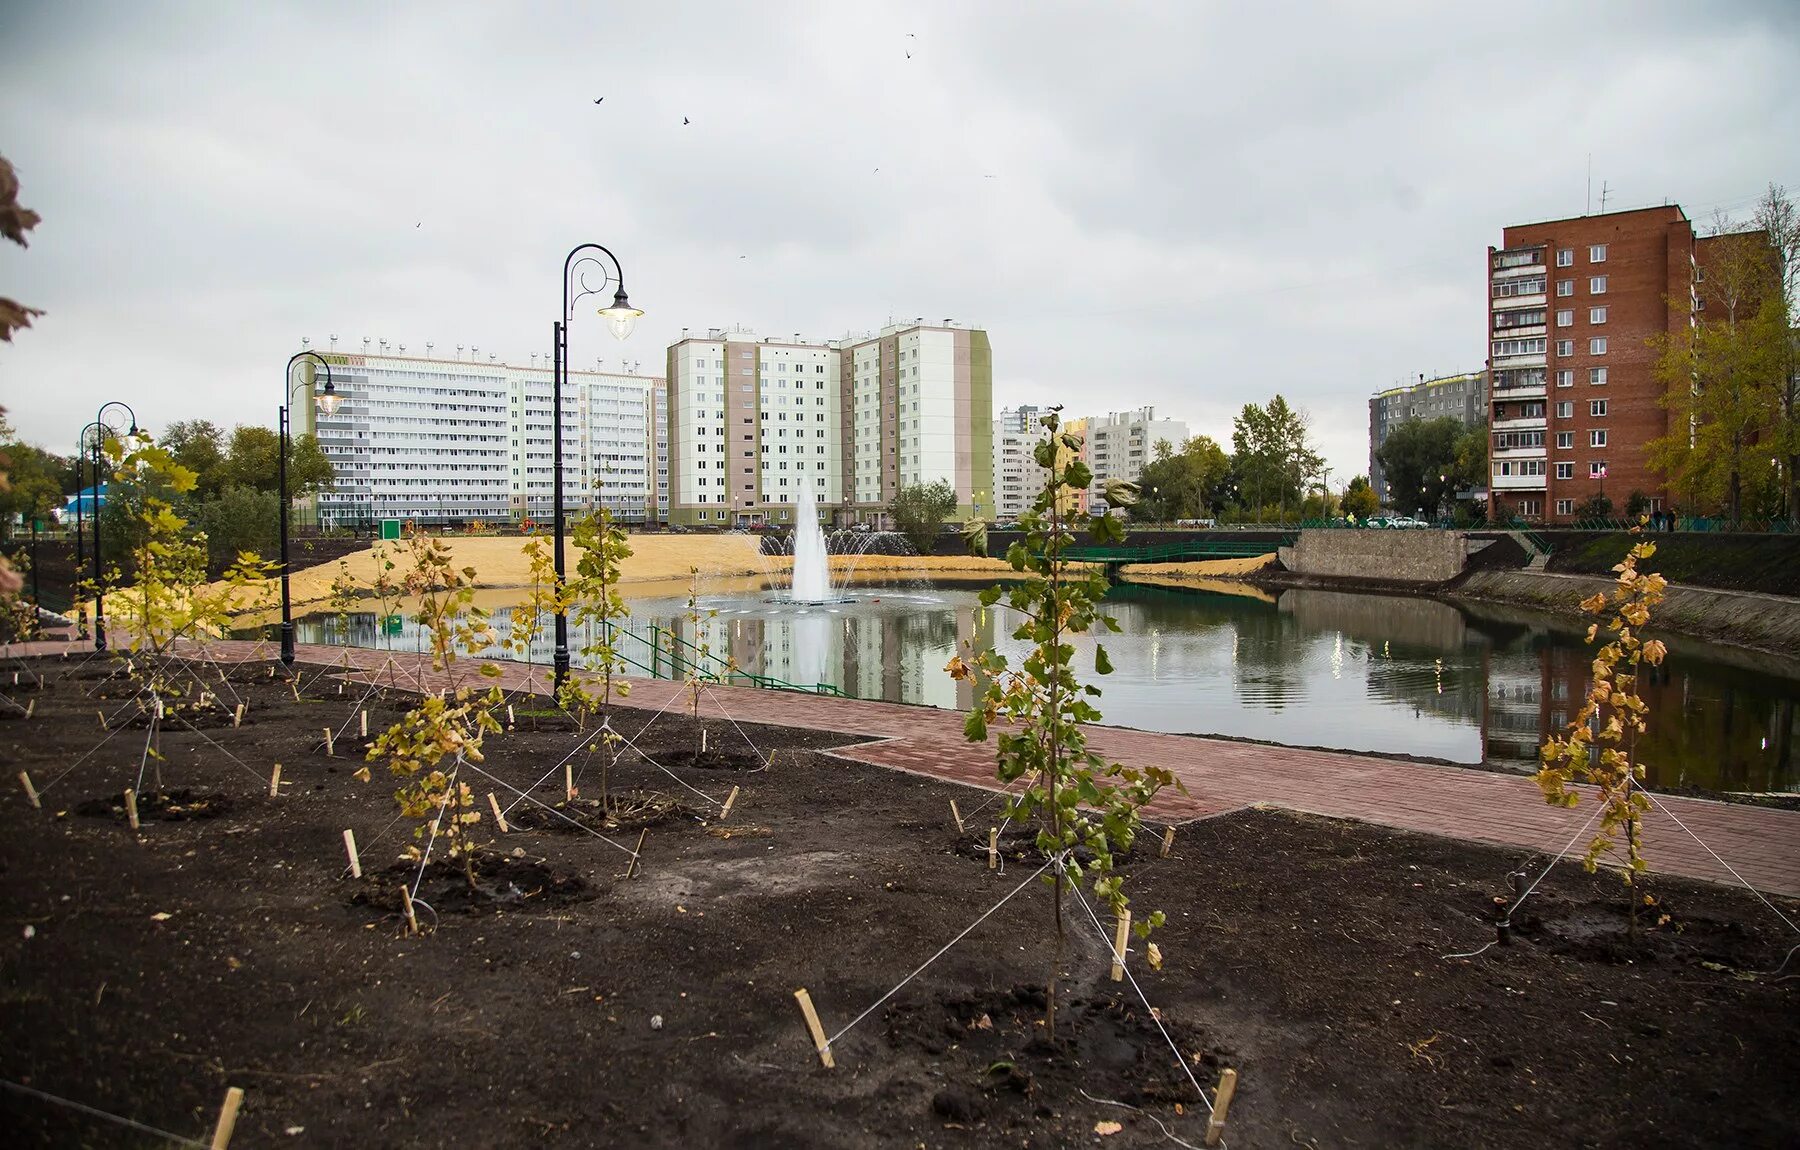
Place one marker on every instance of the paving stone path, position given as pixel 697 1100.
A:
pixel 1762 844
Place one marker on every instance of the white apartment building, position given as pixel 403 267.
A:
pixel 453 440
pixel 752 420
pixel 1017 476
pixel 1119 444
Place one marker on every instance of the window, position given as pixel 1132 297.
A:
pixel 1565 347
pixel 1565 507
pixel 1597 345
pixel 1565 471
pixel 1596 407
pixel 1565 319
pixel 1597 437
pixel 1565 379
pixel 1597 469
pixel 1596 315
pixel 1596 285
pixel 1565 440
pixel 1565 410
pixel 1597 253
pixel 1597 376
pixel 1565 257
pixel 1565 287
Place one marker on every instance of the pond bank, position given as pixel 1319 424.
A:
pixel 1750 619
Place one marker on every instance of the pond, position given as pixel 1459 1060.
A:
pixel 1386 674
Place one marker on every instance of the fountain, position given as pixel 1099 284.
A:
pixel 812 571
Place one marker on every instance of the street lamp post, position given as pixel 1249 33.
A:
pixel 327 402
pixel 81 450
pixel 621 316
pixel 99 577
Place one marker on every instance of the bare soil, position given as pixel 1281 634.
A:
pixel 561 1003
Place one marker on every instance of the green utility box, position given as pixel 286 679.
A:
pixel 390 529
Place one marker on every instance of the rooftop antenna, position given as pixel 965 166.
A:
pixel 459 353
pixel 534 359
pixel 490 357
pixel 305 342
pixel 1605 191
pixel 428 346
pixel 384 347
pixel 402 349
pixel 1589 210
pixel 334 343
pixel 365 345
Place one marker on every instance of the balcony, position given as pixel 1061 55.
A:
pixel 1516 482
pixel 1525 391
pixel 1518 423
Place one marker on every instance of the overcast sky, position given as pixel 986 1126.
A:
pixel 1188 205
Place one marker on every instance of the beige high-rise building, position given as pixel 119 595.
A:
pixel 751 420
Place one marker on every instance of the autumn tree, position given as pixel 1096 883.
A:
pixel 1360 499
pixel 15 221
pixel 1723 376
pixel 1273 454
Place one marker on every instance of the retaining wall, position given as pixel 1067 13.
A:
pixel 1393 556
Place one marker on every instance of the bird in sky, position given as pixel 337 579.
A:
pixel 601 98
pixel 909 55
pixel 684 119
pixel 420 224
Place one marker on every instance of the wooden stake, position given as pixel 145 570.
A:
pixel 340 688
pixel 1168 841
pixel 271 670
pixel 362 724
pixel 30 791
pixel 412 920
pixel 957 815
pixel 275 782
pixel 102 715
pixel 703 740
pixel 350 849
pixel 328 743
pixel 1121 936
pixel 228 1113
pixel 636 853
pixel 499 818
pixel 812 1024
pixel 993 848
pixel 568 782
pixel 1215 1127
pixel 131 815
pixel 510 722
pixel 294 689
pixel 725 811
pixel 30 706
pixel 237 716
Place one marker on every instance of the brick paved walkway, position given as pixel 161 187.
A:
pixel 1506 810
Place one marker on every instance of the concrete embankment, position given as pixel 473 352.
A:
pixel 1749 619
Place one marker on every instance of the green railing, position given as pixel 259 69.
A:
pixel 671 657
pixel 1224 547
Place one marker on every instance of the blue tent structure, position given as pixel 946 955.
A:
pixel 86 500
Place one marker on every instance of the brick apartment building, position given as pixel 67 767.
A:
pixel 1573 306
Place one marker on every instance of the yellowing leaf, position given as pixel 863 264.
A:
pixel 1106 1129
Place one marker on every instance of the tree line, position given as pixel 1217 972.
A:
pixel 234 501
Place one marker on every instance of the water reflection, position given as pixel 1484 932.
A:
pixel 1316 668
